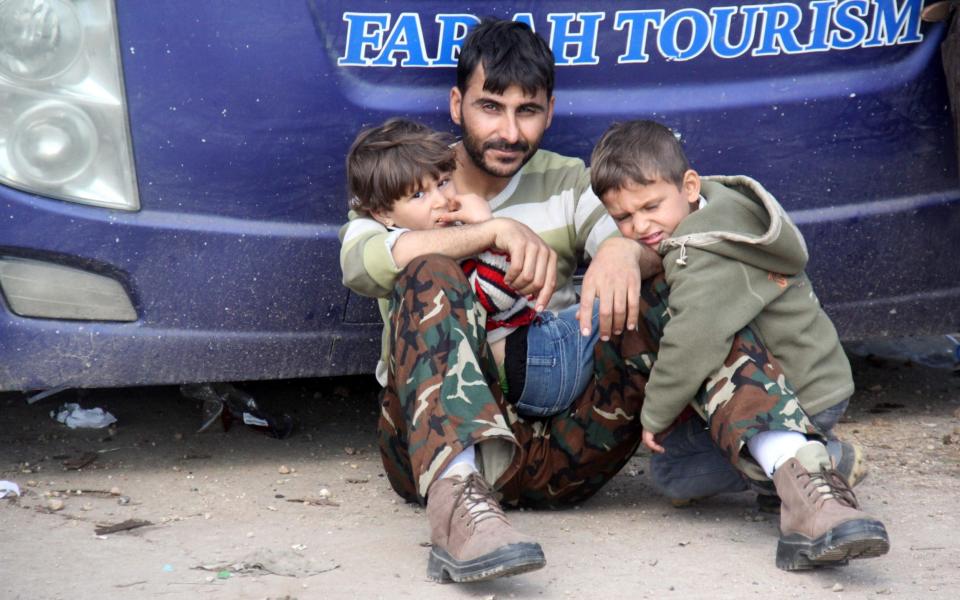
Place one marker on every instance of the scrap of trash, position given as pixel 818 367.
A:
pixel 262 561
pixel 74 417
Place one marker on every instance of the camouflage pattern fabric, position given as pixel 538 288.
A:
pixel 442 396
pixel 747 395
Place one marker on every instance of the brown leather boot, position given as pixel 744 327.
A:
pixel 471 537
pixel 847 459
pixel 820 521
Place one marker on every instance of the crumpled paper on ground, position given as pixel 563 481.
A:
pixel 9 488
pixel 285 563
pixel 75 417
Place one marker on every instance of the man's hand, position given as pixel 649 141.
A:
pixel 649 440
pixel 533 264
pixel 467 208
pixel 613 277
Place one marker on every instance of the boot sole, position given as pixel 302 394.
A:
pixel 861 538
pixel 512 559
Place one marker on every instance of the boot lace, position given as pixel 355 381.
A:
pixel 478 499
pixel 828 482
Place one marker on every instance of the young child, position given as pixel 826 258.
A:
pixel 732 259
pixel 399 174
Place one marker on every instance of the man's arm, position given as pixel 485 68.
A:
pixel 533 264
pixel 371 265
pixel 616 268
pixel 614 278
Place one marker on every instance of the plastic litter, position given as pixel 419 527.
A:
pixel 239 405
pixel 75 417
pixel 9 488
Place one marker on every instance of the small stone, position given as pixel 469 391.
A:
pixel 207 516
pixel 86 507
pixel 837 587
pixel 284 470
pixel 123 500
pixel 55 504
pixel 115 491
pixel 249 534
pixel 31 483
pixel 350 450
pixel 875 388
pixel 175 468
pixel 324 493
pixel 271 507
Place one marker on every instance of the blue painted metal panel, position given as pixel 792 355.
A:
pixel 241 114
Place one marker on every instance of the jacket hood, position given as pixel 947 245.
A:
pixel 741 221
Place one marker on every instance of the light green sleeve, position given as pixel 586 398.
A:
pixel 711 299
pixel 365 258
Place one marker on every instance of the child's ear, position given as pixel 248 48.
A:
pixel 691 186
pixel 382 217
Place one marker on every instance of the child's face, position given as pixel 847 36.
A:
pixel 422 208
pixel 651 213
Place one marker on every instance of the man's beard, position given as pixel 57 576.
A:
pixel 476 149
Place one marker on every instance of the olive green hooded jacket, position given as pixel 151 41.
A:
pixel 738 261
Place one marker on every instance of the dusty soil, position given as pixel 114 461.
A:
pixel 231 499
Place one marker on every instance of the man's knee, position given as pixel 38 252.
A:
pixel 429 265
pixel 418 283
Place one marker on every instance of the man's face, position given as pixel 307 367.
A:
pixel 501 132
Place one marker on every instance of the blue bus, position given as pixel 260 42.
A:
pixel 172 180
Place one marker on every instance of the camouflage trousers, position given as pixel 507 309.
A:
pixel 443 396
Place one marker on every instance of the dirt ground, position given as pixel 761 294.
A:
pixel 228 518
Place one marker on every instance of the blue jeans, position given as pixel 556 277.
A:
pixel 559 362
pixel 693 466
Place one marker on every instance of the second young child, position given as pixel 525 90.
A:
pixel 734 259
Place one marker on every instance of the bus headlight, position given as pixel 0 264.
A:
pixel 38 39
pixel 52 143
pixel 64 131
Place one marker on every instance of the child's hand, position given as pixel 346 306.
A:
pixel 649 440
pixel 468 208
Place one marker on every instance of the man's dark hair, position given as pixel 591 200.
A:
pixel 390 161
pixel 511 54
pixel 638 151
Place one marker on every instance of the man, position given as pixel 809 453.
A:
pixel 447 436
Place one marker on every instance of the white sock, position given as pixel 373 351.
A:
pixel 465 463
pixel 773 448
